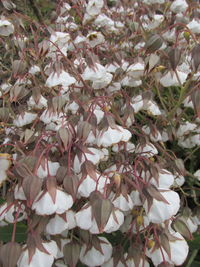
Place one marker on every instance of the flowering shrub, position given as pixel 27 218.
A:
pixel 100 134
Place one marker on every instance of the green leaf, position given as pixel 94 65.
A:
pixel 195 243
pixel 6 233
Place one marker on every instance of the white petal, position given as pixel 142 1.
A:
pixel 84 218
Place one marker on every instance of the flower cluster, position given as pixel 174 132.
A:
pixel 100 123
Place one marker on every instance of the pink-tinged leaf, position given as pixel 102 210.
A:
pixel 196 56
pixel 135 253
pixel 96 243
pixel 90 169
pixel 34 241
pixel 39 244
pixel 71 253
pixel 164 240
pixel 174 57
pixel 36 94
pixel 154 193
pixel 22 170
pixel 101 210
pixel 58 103
pixel 71 184
pixel 19 67
pixel 9 254
pixel 180 166
pixel 153 43
pixel 31 186
pixel 60 175
pixel 31 245
pixel 180 226
pixel 43 48
pixel 65 137
pixel 51 187
pixel 84 128
pixel 111 122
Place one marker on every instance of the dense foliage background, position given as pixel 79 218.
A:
pixel 99 112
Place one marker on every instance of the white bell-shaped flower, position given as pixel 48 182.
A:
pixel 115 221
pixel 170 79
pixel 39 259
pixel 178 249
pixel 84 221
pixel 84 218
pixel 5 162
pixel 44 171
pixel 62 78
pixel 194 26
pixel 179 6
pixel 6 27
pixel 41 103
pixel 24 119
pixel 147 150
pixel 95 156
pixel 89 185
pixel 123 203
pixel 94 7
pixel 58 224
pixel 93 257
pixel 44 205
pixel 136 70
pixel 165 179
pixel 137 103
pixel 161 211
pixel 113 136
pixel 98 75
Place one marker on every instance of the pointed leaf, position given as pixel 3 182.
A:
pixel 9 254
pixel 71 184
pixel 164 240
pixel 31 186
pixel 101 210
pixel 51 187
pixel 154 193
pixel 180 226
pixel 71 253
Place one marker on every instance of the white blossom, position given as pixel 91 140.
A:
pixel 161 211
pixel 63 78
pixel 24 119
pixel 113 136
pixel 93 257
pixel 58 224
pixel 178 249
pixel 98 75
pixel 170 79
pixel 194 26
pixel 6 27
pixel 179 6
pixel 44 205
pixel 5 162
pixel 39 259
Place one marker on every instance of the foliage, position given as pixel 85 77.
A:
pixel 100 133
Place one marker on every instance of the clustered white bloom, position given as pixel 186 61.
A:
pixel 89 128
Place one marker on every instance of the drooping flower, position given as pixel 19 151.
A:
pixel 178 250
pixel 94 257
pixel 39 259
pixel 161 211
pixel 44 205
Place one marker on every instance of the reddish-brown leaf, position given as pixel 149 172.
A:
pixel 51 187
pixel 9 254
